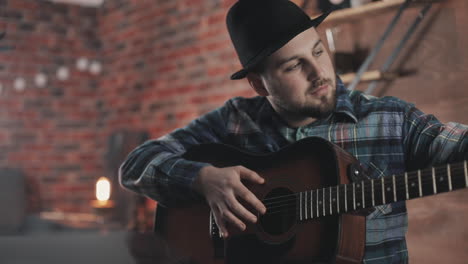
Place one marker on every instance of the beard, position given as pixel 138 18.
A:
pixel 323 110
pixel 316 110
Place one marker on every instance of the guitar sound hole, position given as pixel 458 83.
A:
pixel 281 211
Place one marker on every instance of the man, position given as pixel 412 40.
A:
pixel 287 65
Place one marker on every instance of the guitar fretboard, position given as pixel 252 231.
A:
pixel 369 193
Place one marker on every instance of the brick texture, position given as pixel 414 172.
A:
pixel 173 59
pixel 50 133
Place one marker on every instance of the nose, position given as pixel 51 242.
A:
pixel 313 70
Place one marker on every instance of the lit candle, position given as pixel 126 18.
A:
pixel 103 191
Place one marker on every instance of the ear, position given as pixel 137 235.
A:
pixel 257 84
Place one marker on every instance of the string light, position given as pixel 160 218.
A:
pixel 95 67
pixel 82 64
pixel 40 80
pixel 63 73
pixel 19 84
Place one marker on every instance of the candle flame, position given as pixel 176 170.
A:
pixel 103 189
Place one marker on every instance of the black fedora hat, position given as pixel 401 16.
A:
pixel 260 27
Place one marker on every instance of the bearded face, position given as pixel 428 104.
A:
pixel 299 80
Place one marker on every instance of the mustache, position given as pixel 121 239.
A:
pixel 322 81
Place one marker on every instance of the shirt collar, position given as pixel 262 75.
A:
pixel 344 106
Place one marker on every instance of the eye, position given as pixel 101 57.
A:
pixel 318 52
pixel 293 67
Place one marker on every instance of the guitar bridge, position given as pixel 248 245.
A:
pixel 216 239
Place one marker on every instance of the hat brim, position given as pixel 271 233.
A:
pixel 268 51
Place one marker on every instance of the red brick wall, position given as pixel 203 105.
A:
pixel 167 62
pixel 51 133
pixel 164 63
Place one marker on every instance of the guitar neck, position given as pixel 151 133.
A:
pixel 369 193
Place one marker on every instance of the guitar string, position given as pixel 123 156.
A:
pixel 401 186
pixel 293 202
pixel 411 176
pixel 292 206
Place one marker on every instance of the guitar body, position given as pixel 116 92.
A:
pixel 311 163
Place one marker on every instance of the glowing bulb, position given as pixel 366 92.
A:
pixel 95 67
pixel 20 84
pixel 103 189
pixel 63 73
pixel 82 64
pixel 40 80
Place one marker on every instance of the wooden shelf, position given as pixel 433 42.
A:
pixel 367 10
pixel 369 76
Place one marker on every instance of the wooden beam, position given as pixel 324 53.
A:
pixel 367 10
pixel 369 76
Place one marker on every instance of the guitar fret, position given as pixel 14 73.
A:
pixel 383 190
pixel 305 206
pixel 338 198
pixel 311 203
pixel 449 174
pixel 346 199
pixel 316 202
pixel 300 206
pixel 466 173
pixel 441 182
pixel 406 186
pixel 354 196
pixel 323 201
pixel 311 212
pixel 363 199
pixel 419 181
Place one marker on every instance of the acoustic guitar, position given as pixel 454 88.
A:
pixel 317 196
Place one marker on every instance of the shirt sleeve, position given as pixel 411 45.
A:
pixel 429 142
pixel 156 168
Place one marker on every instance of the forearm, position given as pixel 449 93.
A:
pixel 156 168
pixel 162 176
pixel 430 142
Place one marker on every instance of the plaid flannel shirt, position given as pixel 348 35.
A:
pixel 387 135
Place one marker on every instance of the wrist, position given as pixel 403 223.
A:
pixel 199 179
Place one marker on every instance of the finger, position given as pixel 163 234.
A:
pixel 250 175
pixel 239 210
pixel 251 199
pixel 229 217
